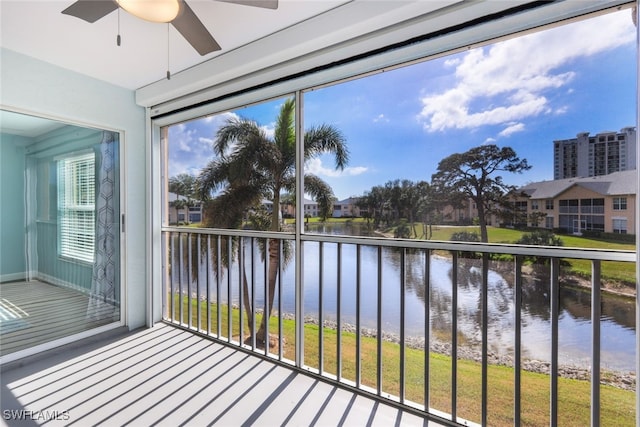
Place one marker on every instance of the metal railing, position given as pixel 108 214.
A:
pixel 220 283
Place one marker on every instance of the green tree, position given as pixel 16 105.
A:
pixel 184 186
pixel 474 174
pixel 536 217
pixel 251 166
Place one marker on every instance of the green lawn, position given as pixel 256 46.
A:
pixel 613 271
pixel 618 406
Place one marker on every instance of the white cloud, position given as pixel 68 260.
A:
pixel 191 143
pixel 315 167
pixel 511 129
pixel 489 140
pixel 380 118
pixel 269 130
pixel 506 82
pixel 451 62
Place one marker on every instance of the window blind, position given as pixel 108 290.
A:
pixel 76 207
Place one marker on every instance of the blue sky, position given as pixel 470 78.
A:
pixel 524 93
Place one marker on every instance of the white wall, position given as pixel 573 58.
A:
pixel 32 86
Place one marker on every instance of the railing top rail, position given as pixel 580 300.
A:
pixel 501 248
pixel 230 232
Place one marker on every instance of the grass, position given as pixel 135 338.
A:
pixel 612 271
pixel 617 408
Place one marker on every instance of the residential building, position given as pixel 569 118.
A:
pixel 603 203
pixel 310 209
pixel 600 154
pixel 191 209
pixel 347 208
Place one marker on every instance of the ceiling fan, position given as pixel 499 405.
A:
pixel 177 12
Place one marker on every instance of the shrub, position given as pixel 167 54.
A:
pixel 465 236
pixel 540 238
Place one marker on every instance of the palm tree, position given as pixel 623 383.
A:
pixel 179 204
pixel 184 185
pixel 251 166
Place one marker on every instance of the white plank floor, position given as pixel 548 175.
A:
pixel 167 376
pixel 32 313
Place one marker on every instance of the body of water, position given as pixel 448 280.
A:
pixel 617 321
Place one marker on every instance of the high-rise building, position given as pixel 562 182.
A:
pixel 601 154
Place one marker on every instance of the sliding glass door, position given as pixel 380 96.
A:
pixel 61 207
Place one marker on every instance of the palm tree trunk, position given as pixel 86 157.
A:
pixel 273 254
pixel 274 267
pixel 247 302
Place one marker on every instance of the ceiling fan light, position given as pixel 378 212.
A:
pixel 152 10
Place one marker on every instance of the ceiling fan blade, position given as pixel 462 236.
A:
pixel 91 10
pixel 267 4
pixel 194 31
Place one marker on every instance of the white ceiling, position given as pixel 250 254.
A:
pixel 39 29
pixel 300 35
pixel 25 125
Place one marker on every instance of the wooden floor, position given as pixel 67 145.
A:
pixel 167 376
pixel 33 313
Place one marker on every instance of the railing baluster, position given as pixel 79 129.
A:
pixel 252 241
pixel 229 289
pixel 280 260
pixel 485 338
pixel 427 326
pixel 218 298
pixel 555 308
pixel 358 349
pixel 454 335
pixel 189 279
pixel 208 296
pixel 517 364
pixel 299 301
pixel 172 305
pixel 320 309
pixel 379 325
pixel 403 287
pixel 181 309
pixel 241 288
pixel 265 312
pixel 198 255
pixel 595 340
pixel 339 313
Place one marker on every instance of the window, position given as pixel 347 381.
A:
pixel 521 206
pixel 619 203
pixel 620 225
pixel 548 222
pixel 76 207
pixel 534 205
pixel 548 204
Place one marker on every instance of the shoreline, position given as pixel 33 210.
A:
pixel 613 378
pixel 614 288
pixel 625 381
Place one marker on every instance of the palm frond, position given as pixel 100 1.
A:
pixel 326 139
